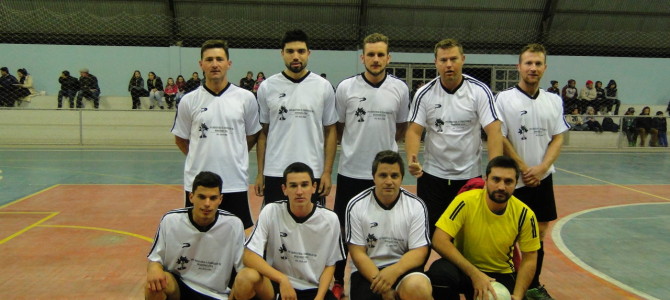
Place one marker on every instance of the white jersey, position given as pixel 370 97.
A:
pixel 217 127
pixel 530 123
pixel 370 113
pixel 387 233
pixel 202 257
pixel 300 248
pixel 296 111
pixel 453 122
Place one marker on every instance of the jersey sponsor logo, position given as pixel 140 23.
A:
pixel 439 123
pixel 523 112
pixel 282 95
pixel 360 112
pixel 522 131
pixel 282 111
pixel 361 99
pixel 283 234
pixel 283 252
pixel 186 245
pixel 438 105
pixel 203 129
pixel 371 240
pixel 182 261
pixel 204 109
pixel 373 224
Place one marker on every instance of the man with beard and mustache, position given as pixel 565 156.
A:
pixel 476 237
pixel 534 127
pixel 297 109
pixel 372 109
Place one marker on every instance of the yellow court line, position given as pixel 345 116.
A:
pixel 31 195
pixel 150 240
pixel 615 184
pixel 51 215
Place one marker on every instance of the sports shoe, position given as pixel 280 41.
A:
pixel 338 290
pixel 538 293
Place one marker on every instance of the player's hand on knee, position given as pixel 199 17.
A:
pixel 286 290
pixel 260 185
pixel 156 280
pixel 383 281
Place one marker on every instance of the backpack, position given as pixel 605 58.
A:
pixel 609 125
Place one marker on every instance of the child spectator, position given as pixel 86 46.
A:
pixel 628 127
pixel 259 78
pixel 171 91
pixel 643 126
pixel 136 89
pixel 591 120
pixel 155 87
pixel 660 124
pixel 181 85
pixel 575 120
pixel 554 88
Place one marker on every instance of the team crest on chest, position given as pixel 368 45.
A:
pixel 371 240
pixel 360 112
pixel 203 129
pixel 182 261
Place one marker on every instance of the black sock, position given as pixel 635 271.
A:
pixel 339 268
pixel 538 268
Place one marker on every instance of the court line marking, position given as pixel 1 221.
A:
pixel 139 236
pixel 51 215
pixel 29 196
pixel 558 241
pixel 615 184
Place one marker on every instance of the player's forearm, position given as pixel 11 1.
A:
pixel 553 151
pixel 412 259
pixel 494 139
pixel 340 131
pixel 525 273
pixel 182 144
pixel 508 150
pixel 363 262
pixel 260 149
pixel 256 262
pixel 324 282
pixel 330 147
pixel 413 140
pixel 400 130
pixel 251 141
pixel 153 266
pixel 443 245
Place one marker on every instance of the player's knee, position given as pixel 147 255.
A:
pixel 247 282
pixel 415 287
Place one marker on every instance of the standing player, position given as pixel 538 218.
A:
pixel 476 236
pixel 292 252
pixel 452 108
pixel 298 117
pixel 387 235
pixel 196 248
pixel 215 127
pixel 372 109
pixel 534 134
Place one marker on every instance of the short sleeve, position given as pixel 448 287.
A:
pixel 417 110
pixel 403 109
pixel 157 253
pixel 259 237
pixel 418 235
pixel 264 114
pixel 341 102
pixel 453 218
pixel 183 119
pixel 252 123
pixel 529 239
pixel 353 229
pixel 329 113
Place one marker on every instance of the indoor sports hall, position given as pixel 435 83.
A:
pixel 82 190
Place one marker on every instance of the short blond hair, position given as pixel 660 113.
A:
pixel 448 43
pixel 375 38
pixel 533 48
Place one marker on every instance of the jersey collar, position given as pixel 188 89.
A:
pixel 372 84
pixel 214 94
pixel 299 80
pixel 529 96
pixel 382 204
pixel 297 219
pixel 201 228
pixel 456 89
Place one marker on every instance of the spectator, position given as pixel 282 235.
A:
pixel 601 100
pixel 612 96
pixel 7 88
pixel 259 78
pixel 192 83
pixel 25 89
pixel 136 89
pixel 628 127
pixel 248 82
pixel 587 95
pixel 155 87
pixel 569 93
pixel 554 88
pixel 575 120
pixel 88 88
pixel 643 126
pixel 68 88
pixel 181 85
pixel 591 121
pixel 660 124
pixel 324 75
pixel 171 91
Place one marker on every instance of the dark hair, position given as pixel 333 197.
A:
pixel 645 108
pixel 388 157
pixel 298 167
pixel 207 179
pixel 295 35
pixel 503 162
pixel 66 73
pixel 554 82
pixel 447 44
pixel 23 71
pixel 213 44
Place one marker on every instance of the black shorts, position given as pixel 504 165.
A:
pixel 236 203
pixel 437 193
pixel 540 199
pixel 273 191
pixel 449 281
pixel 360 286
pixel 186 292
pixel 346 189
pixel 309 294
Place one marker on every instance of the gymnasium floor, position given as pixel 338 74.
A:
pixel 77 223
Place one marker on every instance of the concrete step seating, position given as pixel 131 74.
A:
pixel 106 103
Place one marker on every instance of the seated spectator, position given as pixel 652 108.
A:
pixel 259 78
pixel 643 126
pixel 196 248
pixel 601 99
pixel 171 91
pixel 25 89
pixel 628 127
pixel 590 120
pixel 68 88
pixel 192 83
pixel 7 88
pixel 575 120
pixel 612 96
pixel 88 88
pixel 324 75
pixel 569 94
pixel 181 85
pixel 136 89
pixel 155 87
pixel 660 124
pixel 554 88
pixel 587 95
pixel 247 82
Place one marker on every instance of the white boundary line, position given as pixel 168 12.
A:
pixel 558 241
